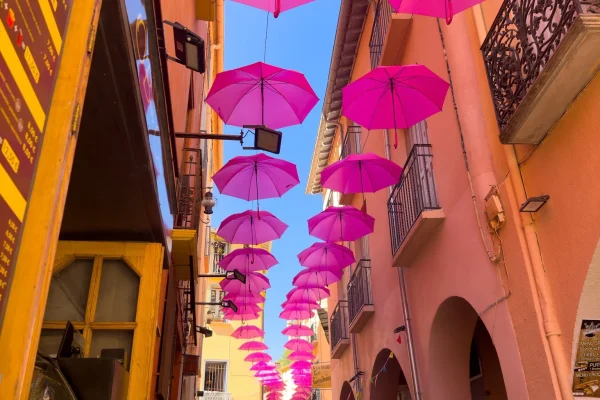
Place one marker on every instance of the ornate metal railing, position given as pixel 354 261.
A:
pixel 217 396
pixel 519 44
pixel 351 143
pixel 189 192
pixel 339 323
pixel 414 194
pixel 187 295
pixel 359 288
pixel 381 25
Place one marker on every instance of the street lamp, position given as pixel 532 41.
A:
pixel 533 204
pixel 189 48
pixel 265 139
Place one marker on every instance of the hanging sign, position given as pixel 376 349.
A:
pixel 321 376
pixel 31 42
pixel 586 377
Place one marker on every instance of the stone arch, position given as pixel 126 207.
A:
pixel 390 381
pixel 346 393
pixel 463 363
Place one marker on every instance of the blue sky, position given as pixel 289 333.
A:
pixel 300 39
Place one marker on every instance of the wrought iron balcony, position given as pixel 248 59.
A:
pixel 538 56
pixel 189 193
pixel 351 143
pixel 187 298
pixel 360 296
pixel 381 25
pixel 413 208
pixel 340 339
pixel 217 396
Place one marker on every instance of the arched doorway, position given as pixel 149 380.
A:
pixel 462 357
pixel 346 393
pixel 387 379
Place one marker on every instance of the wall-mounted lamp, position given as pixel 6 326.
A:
pixel 189 48
pixel 533 204
pixel 208 202
pixel 265 139
pixel 231 275
pixel 205 331
pixel 224 304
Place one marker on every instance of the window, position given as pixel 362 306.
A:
pixel 316 395
pixel 216 312
pixel 220 250
pixel 215 376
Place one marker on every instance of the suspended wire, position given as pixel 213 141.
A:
pixel 266 38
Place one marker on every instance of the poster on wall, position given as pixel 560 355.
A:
pixel 321 376
pixel 31 43
pixel 586 377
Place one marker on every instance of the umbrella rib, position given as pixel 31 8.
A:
pixel 270 87
pixel 240 100
pixel 421 93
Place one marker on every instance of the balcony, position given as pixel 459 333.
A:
pixel 187 297
pixel 360 297
pixel 217 396
pixel 187 219
pixel 340 340
pixel 388 35
pixel 413 209
pixel 538 58
pixel 351 143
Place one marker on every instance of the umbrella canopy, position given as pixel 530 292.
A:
pixel 265 373
pixel 438 8
pixel 297 330
pixel 302 364
pixel 345 223
pixel 323 254
pixel 262 365
pixel 298 345
pixel 249 259
pixel 301 356
pixel 247 228
pixel 256 177
pixel 255 283
pixel 241 315
pixel 308 293
pixel 248 332
pixel 311 305
pixel 258 356
pixel 261 94
pixel 295 313
pixel 245 298
pixel 253 345
pixel 319 275
pixel 394 97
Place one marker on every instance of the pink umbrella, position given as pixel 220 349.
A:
pixel 322 254
pixel 394 97
pixel 241 315
pixel 302 364
pixel 297 330
pixel 308 293
pixel 274 6
pixel 247 228
pixel 261 94
pixel 295 313
pixel 340 224
pixel 266 372
pixel 361 173
pixel 248 332
pixel 311 305
pixel 300 355
pixel 255 283
pixel 245 298
pixel 258 356
pixel 256 177
pixel 262 365
pixel 301 372
pixel 319 275
pixel 249 259
pixel 298 345
pixel 438 9
pixel 253 345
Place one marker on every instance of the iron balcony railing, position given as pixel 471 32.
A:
pixel 381 25
pixel 414 194
pixel 189 193
pixel 187 293
pixel 359 289
pixel 351 141
pixel 217 396
pixel 339 323
pixel 519 44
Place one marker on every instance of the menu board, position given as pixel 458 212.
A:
pixel 586 376
pixel 31 42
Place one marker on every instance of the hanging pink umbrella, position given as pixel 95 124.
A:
pixel 361 173
pixel 394 97
pixel 274 6
pixel 311 305
pixel 301 372
pixel 308 293
pixel 300 355
pixel 253 345
pixel 319 275
pixel 297 330
pixel 245 298
pixel 298 345
pixel 247 228
pixel 340 224
pixel 241 315
pixel 262 365
pixel 439 8
pixel 256 177
pixel 302 364
pixel 295 313
pixel 255 283
pixel 248 332
pixel 249 259
pixel 261 94
pixel 258 356
pixel 323 254
pixel 266 372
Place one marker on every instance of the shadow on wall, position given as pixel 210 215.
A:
pixel 463 362
pixel 387 379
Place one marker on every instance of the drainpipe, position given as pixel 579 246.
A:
pixel 533 252
pixel 414 371
pixel 216 59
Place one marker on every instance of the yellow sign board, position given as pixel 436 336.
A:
pixel 321 376
pixel 586 377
